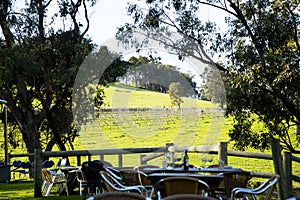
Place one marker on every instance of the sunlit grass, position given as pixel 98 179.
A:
pixel 25 190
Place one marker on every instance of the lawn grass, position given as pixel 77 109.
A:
pixel 24 191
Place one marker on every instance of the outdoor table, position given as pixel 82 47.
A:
pixel 71 176
pixel 194 170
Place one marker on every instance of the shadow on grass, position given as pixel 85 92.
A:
pixel 21 190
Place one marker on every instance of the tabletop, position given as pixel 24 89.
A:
pixel 194 170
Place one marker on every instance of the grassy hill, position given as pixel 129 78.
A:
pixel 156 126
pixel 119 95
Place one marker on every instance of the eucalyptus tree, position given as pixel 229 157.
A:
pixel 261 66
pixel 41 52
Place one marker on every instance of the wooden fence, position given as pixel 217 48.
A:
pixel 282 162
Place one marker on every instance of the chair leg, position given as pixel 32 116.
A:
pixel 49 189
pixel 80 188
pixel 66 188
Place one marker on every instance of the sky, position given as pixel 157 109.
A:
pixel 108 15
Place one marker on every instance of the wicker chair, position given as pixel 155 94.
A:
pixel 188 197
pixel 117 196
pixel 180 185
pixel 232 180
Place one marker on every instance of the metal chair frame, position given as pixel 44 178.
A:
pixel 266 188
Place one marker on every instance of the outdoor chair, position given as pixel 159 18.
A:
pixel 265 189
pixel 26 169
pixel 81 181
pixel 117 196
pixel 112 185
pixel 188 197
pixel 129 177
pixel 48 164
pixel 91 172
pixel 114 173
pixel 180 185
pixel 51 179
pixel 17 165
pixel 232 180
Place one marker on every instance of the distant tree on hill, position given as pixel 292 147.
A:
pixel 152 75
pixel 176 92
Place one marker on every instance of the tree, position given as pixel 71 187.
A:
pixel 151 74
pixel 262 67
pixel 39 62
pixel 176 92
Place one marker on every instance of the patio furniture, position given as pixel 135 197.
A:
pixel 265 189
pixel 26 169
pixel 81 180
pixel 129 177
pixel 180 185
pixel 117 196
pixel 212 181
pixel 48 164
pixel 91 172
pixel 188 197
pixel 232 180
pixel 114 173
pixel 112 185
pixel 51 179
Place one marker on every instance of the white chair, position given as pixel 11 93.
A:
pixel 51 179
pixel 81 180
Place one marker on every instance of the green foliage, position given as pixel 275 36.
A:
pixel 176 92
pixel 38 68
pixel 261 69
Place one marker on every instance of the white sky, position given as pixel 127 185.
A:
pixel 110 14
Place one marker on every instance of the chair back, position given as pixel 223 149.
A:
pixel 26 165
pixel 17 163
pixel 129 177
pixel 112 185
pixel 91 171
pixel 118 196
pixel 235 179
pixel 108 181
pixel 266 189
pixel 48 164
pixel 46 175
pixel 188 197
pixel 181 185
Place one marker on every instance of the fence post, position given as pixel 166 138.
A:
pixel 120 160
pixel 101 157
pixel 277 160
pixel 37 173
pixel 78 160
pixel 142 156
pixel 222 152
pixel 287 167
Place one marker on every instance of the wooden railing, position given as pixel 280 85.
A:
pixel 147 154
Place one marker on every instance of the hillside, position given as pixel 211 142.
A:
pixel 119 95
